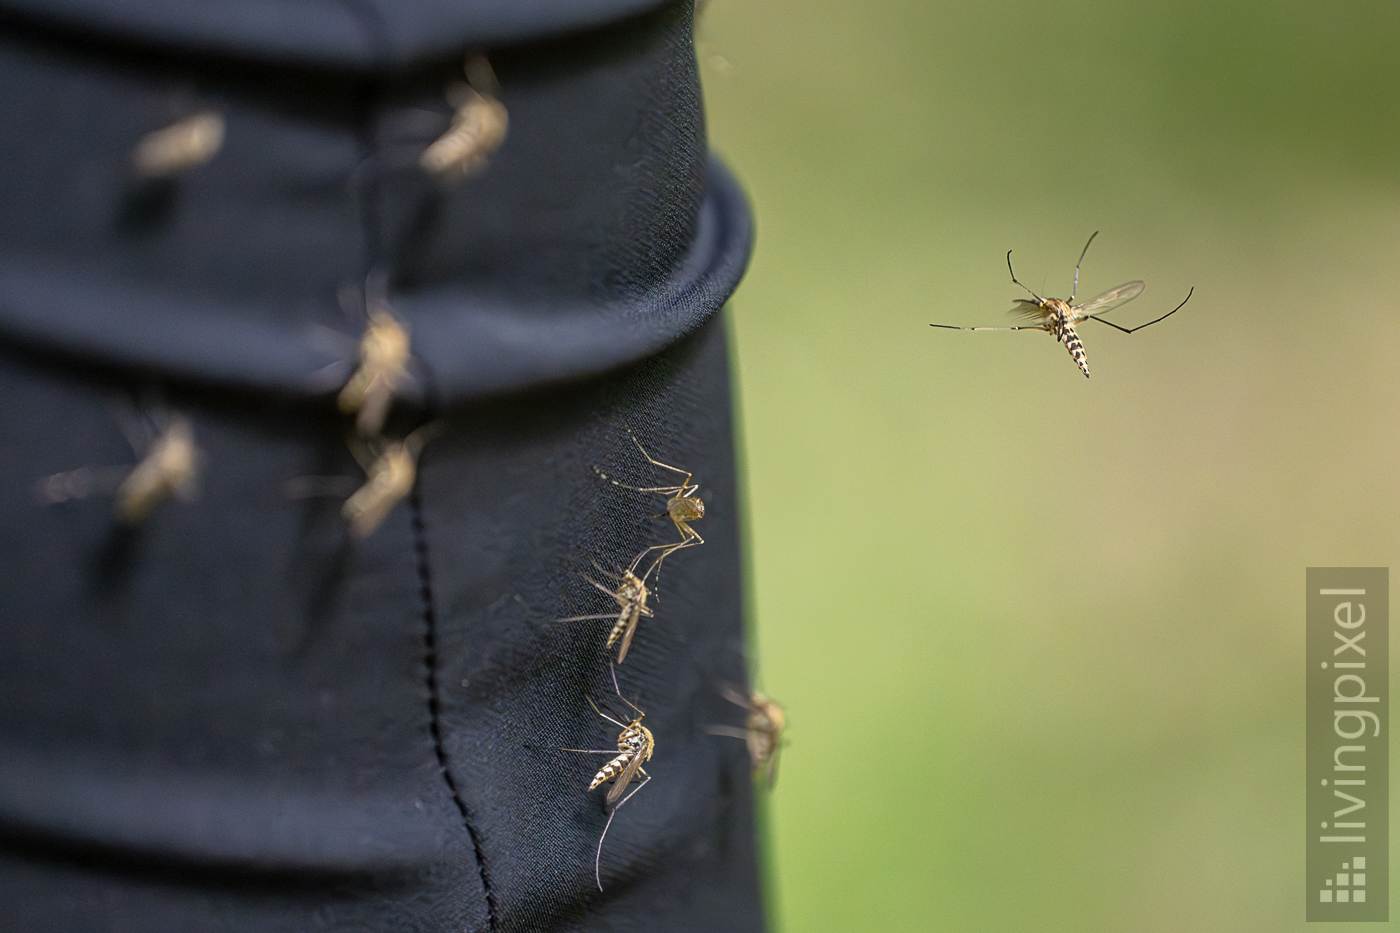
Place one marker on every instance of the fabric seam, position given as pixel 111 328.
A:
pixel 430 661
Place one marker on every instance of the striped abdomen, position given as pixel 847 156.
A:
pixel 612 769
pixel 632 597
pixel 627 617
pixel 1064 332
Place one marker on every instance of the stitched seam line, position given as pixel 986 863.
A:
pixel 430 661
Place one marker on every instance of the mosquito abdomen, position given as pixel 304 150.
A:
pixel 1075 346
pixel 1060 324
pixel 612 769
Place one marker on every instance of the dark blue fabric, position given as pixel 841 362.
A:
pixel 363 33
pixel 237 716
pixel 599 233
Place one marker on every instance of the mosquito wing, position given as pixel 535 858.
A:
pixel 627 636
pixel 1108 301
pixel 1030 310
pixel 629 771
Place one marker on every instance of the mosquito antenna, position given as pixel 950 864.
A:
pixel 1074 291
pixel 1129 330
pixel 598 859
pixel 1038 299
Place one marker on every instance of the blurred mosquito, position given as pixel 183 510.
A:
pixel 184 145
pixel 1059 317
pixel 683 506
pixel 631 597
pixel 169 466
pixel 478 126
pixel 762 732
pixel 634 747
pixel 391 468
pixel 384 357
pixel 389 476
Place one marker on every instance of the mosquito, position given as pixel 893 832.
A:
pixel 390 476
pixel 179 147
pixel 762 732
pixel 477 129
pixel 383 370
pixel 631 597
pixel 683 506
pixel 169 466
pixel 634 747
pixel 1059 317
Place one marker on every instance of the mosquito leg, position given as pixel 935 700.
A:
pixel 598 859
pixel 1075 290
pixel 1129 330
pixel 601 587
pixel 1038 299
pixel 665 490
pixel 733 732
pixel 1024 327
pixel 655 462
pixel 612 669
pixel 621 725
pixel 691 539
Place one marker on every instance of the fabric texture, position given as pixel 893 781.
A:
pixel 236 715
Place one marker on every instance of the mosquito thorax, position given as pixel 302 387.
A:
pixel 686 508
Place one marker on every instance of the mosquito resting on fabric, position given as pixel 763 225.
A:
pixel 1059 317
pixel 631 597
pixel 634 747
pixel 169 466
pixel 683 506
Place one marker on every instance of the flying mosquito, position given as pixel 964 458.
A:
pixel 762 732
pixel 683 506
pixel 634 747
pixel 1059 317
pixel 631 597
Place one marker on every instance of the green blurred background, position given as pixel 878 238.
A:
pixel 1041 637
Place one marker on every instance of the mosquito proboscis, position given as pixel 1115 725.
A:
pixel 1059 317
